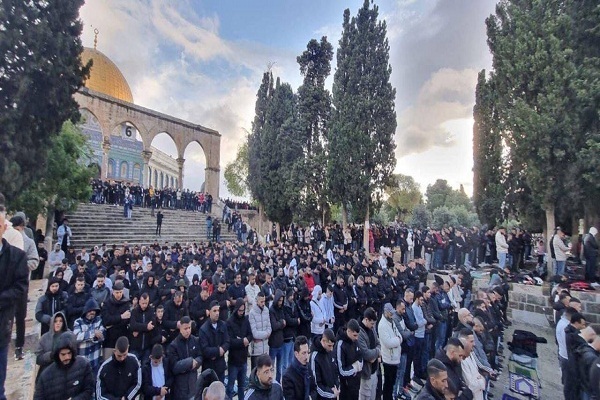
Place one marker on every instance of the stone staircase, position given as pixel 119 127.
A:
pixel 94 224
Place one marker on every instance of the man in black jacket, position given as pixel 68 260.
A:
pixel 185 358
pixel 323 366
pixel 214 340
pixel 143 330
pixel 452 358
pixel 349 360
pixel 69 376
pixel 121 375
pixel 298 383
pixel 278 323
pixel 115 317
pixel 156 376
pixel 175 309
pixel 240 337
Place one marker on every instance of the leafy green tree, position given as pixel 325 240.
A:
pixel 40 70
pixel 465 217
pixel 584 37
pixel 421 216
pixel 437 194
pixel 488 192
pixel 314 109
pixel 66 181
pixel 236 172
pixel 533 74
pixel 361 139
pixel 403 194
pixel 443 216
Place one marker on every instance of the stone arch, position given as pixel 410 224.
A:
pixel 136 175
pixel 112 112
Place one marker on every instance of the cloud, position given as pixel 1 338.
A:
pixel 448 95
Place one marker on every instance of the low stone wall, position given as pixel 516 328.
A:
pixel 531 304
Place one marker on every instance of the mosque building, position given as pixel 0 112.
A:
pixel 125 155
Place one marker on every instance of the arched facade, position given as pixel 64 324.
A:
pixel 113 114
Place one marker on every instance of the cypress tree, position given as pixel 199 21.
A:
pixel 314 111
pixel 40 70
pixel 488 193
pixel 361 139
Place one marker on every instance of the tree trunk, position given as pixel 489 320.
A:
pixel 550 225
pixel 261 213
pixel 591 217
pixel 278 231
pixel 344 216
pixel 366 232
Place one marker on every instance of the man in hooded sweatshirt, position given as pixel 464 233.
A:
pixel 349 360
pixel 47 343
pixel 53 301
pixel 90 332
pixel 278 324
pixel 317 324
pixel 69 377
pixel 262 386
pixel 240 337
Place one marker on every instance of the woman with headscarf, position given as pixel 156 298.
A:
pixel 317 324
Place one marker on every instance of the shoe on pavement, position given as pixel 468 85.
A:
pixel 19 353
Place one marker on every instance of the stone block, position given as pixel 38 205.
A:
pixel 587 296
pixel 529 307
pixel 590 308
pixel 531 318
pixel 537 300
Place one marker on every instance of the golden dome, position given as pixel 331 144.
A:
pixel 105 77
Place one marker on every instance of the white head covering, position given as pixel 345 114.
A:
pixel 316 291
pixel 593 231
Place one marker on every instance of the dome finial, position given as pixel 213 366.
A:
pixel 96 32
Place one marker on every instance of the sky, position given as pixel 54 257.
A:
pixel 203 61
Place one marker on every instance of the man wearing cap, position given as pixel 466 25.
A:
pixel 240 337
pixel 214 338
pixel 391 339
pixel 14 273
pixel 156 375
pixel 33 260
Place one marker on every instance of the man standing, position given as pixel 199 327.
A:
pixel 260 324
pixel 21 306
pixel 324 368
pixel 214 340
pixel 278 323
pixel 349 360
pixel 119 377
pixel 501 247
pixel 240 337
pixel 63 235
pixel 451 358
pixel 369 345
pixel 89 331
pixel 390 349
pixel 13 286
pixel 159 221
pixel 298 383
pixel 68 377
pixel 185 355
pixel 156 375
pixel 559 251
pixel 115 316
pixel 590 252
